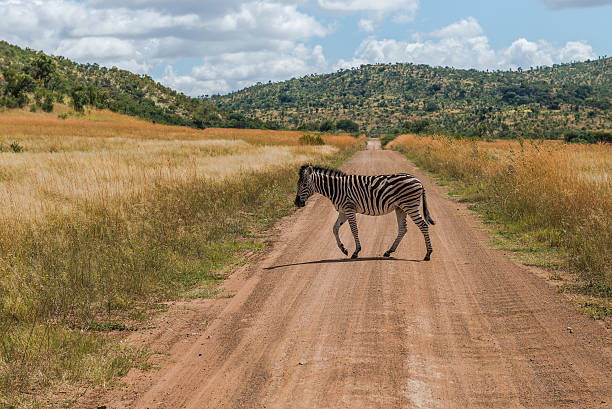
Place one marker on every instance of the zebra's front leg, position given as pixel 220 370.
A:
pixel 401 230
pixel 337 225
pixel 352 219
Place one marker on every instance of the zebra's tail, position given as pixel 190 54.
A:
pixel 425 211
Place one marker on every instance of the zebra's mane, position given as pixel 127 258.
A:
pixel 325 171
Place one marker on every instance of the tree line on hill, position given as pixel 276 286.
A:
pixel 542 102
pixel 33 78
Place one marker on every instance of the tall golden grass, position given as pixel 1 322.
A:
pixel 37 127
pixel 104 213
pixel 561 194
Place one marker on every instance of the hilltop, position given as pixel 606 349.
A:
pixel 28 77
pixel 540 102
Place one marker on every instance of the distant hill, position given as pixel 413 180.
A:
pixel 33 78
pixel 540 102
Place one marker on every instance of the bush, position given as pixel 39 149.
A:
pixel 576 136
pixel 311 140
pixel 417 126
pixel 387 138
pixel 347 125
pixel 309 126
pixel 47 104
pixel 15 147
pixel 327 126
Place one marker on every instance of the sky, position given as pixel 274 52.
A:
pixel 206 47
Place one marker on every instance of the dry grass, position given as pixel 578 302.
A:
pixel 102 215
pixel 559 194
pixel 47 128
pixel 107 157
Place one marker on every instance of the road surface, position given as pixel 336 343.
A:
pixel 309 328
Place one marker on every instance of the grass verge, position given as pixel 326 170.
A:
pixel 70 282
pixel 550 203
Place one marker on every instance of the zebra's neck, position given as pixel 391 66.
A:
pixel 326 182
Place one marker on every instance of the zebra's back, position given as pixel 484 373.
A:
pixel 381 194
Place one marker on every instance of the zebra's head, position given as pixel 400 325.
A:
pixel 305 187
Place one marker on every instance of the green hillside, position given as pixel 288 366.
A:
pixel 542 102
pixel 30 78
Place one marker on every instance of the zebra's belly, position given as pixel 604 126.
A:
pixel 375 212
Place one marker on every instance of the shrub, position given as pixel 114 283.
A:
pixel 576 136
pixel 327 126
pixel 15 147
pixel 347 125
pixel 308 139
pixel 47 105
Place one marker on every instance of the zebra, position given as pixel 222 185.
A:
pixel 371 195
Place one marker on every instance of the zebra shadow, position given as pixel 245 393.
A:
pixel 343 260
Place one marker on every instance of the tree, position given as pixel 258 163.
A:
pixel 327 126
pixel 17 84
pixel 79 98
pixel 42 68
pixel 47 104
pixel 347 125
pixel 416 126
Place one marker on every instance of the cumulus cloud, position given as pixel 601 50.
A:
pixel 576 51
pixel 369 5
pixel 158 33
pixel 366 25
pixel 375 11
pixel 465 28
pixel 565 4
pixel 464 45
pixel 228 72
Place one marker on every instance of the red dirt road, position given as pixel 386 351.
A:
pixel 309 328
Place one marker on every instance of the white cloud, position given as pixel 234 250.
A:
pixel 465 28
pixel 236 70
pixel 366 25
pixel 375 11
pixel 141 35
pixel 576 51
pixel 524 53
pixel 564 4
pixel 369 5
pixel 464 45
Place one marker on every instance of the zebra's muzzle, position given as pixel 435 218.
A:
pixel 298 202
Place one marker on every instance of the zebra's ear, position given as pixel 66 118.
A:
pixel 306 170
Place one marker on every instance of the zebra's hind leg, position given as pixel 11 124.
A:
pixel 401 230
pixel 337 225
pixel 352 219
pixel 422 225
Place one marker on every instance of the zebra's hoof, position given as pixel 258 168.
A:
pixel 426 257
pixel 387 254
pixel 354 255
pixel 345 251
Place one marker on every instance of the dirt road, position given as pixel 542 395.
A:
pixel 310 329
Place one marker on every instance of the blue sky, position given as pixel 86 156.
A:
pixel 218 46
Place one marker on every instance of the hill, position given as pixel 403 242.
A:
pixel 540 102
pixel 30 77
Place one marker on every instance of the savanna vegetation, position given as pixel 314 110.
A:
pixel 104 216
pixel 553 198
pixel 39 81
pixel 542 102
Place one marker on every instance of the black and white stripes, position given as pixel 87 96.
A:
pixel 370 195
